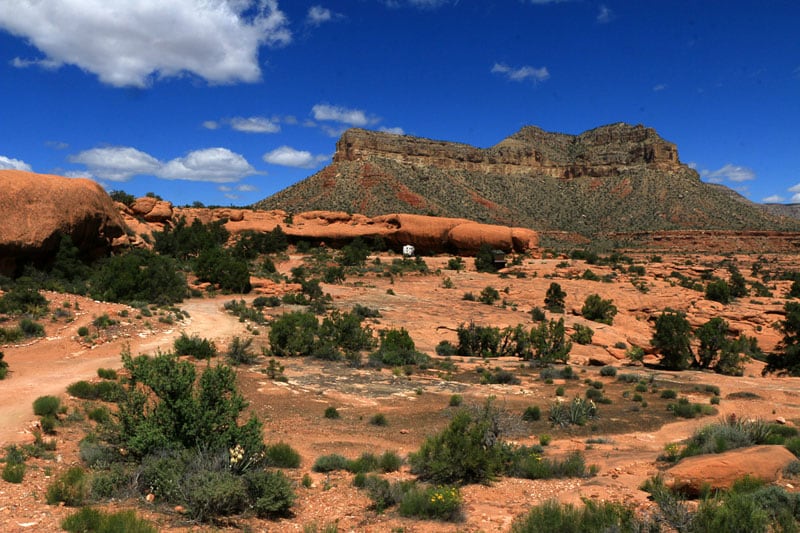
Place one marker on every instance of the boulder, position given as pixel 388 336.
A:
pixel 38 208
pixel 718 471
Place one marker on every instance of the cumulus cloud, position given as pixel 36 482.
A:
pixel 290 157
pixel 211 124
pixel 318 15
pixel 255 125
pixel 522 73
pixel 127 44
pixel 659 87
pixel 396 130
pixel 774 199
pixel 121 163
pixel 343 115
pixel 729 172
pixel 421 4
pixel 8 163
pixel 604 15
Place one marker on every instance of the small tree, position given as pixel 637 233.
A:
pixel 554 298
pixel 599 310
pixel 713 338
pixel 549 342
pixel 671 338
pixel 718 291
pixel 787 362
pixel 738 284
pixel 484 259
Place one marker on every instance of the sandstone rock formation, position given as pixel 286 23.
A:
pixel 37 209
pixel 719 471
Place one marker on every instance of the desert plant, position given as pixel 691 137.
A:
pixel 271 493
pixel 671 338
pixel 293 334
pixel 195 346
pixel 718 290
pixel 484 259
pixel 332 413
pixel 549 343
pixel 598 310
pixel 240 353
pixel 577 412
pixel 456 400
pixel 397 349
pixel 330 463
pixel 94 521
pixel 786 361
pixel 489 295
pixel 436 503
pixel 532 413
pixel 582 334
pixel 3 367
pixel 70 488
pixel 554 298
pixel 379 419
pixel 592 517
pixel 608 371
pixel 46 405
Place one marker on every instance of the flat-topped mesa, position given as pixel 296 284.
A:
pixel 603 151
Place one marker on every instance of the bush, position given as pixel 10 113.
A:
pixel 139 275
pixel 537 315
pixel 529 464
pixel 101 415
pixel 456 400
pixel 718 291
pixel 293 334
pixel 608 371
pixel 83 331
pixel 272 493
pixel 484 259
pixel 332 413
pixel 107 373
pixel 455 263
pixel 477 341
pixel 389 462
pixel 330 463
pixel 598 310
pixel 23 298
pixel 672 338
pixel 212 493
pixel 195 346
pixel 786 361
pixel 582 334
pixel 468 450
pixel 554 298
pixel 549 343
pixel 46 405
pixel 532 413
pixel 593 517
pixel 489 295
pixel 446 349
pixel 94 521
pixel 71 488
pixel 436 503
pixel 669 394
pixel 107 391
pixel 281 455
pixel 576 412
pixel 239 352
pixel 3 367
pixel 397 349
pixel 499 377
pixel 378 419
pixel 30 328
pixel 218 266
pixel 13 472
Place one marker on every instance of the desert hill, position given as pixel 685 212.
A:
pixel 615 178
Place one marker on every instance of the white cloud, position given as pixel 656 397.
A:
pixel 604 15
pixel 421 4
pixel 289 157
pixel 211 124
pixel 343 115
pixel 8 163
pixel 246 188
pixel 318 15
pixel 254 125
pixel 396 130
pixel 120 163
pixel 128 43
pixel 47 64
pixel 522 73
pixel 659 87
pixel 729 172
pixel 117 163
pixel 774 199
pixel 543 2
pixel 56 145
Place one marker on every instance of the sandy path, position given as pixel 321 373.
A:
pixel 47 366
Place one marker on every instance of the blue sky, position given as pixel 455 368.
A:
pixel 228 101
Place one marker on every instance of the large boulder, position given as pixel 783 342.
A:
pixel 718 471
pixel 36 209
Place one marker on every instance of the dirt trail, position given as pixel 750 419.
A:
pixel 49 365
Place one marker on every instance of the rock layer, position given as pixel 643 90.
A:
pixel 38 208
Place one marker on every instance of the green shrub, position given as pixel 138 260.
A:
pixel 599 310
pixel 330 463
pixel 220 267
pixel 107 373
pixel 537 315
pixel 13 472
pixel 576 412
pixel 489 295
pixel 397 349
pixel 484 260
pixel 281 455
pixel 389 461
pixel 608 371
pixel 554 298
pixel 332 413
pixel 48 424
pixel 378 419
pixel 560 391
pixel 552 516
pixel 456 400
pixel 366 462
pixel 529 464
pixel 240 353
pixel 582 334
pixel 213 493
pixel 139 275
pixel 468 450
pixel 71 488
pixel 271 492
pixel 115 482
pixel 83 331
pixel 30 328
pixel 23 298
pixel 499 377
pixel 436 503
pixel 3 367
pixel 88 520
pixel 594 394
pixel 549 343
pixel 477 341
pixel 718 291
pixel 46 405
pixel 293 334
pixel 446 349
pixel 672 339
pixel 107 391
pixel 685 409
pixel 532 413
pixel 195 346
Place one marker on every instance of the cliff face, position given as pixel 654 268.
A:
pixel 603 151
pixel 615 178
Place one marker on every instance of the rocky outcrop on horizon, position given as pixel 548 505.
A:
pixel 615 178
pixel 38 208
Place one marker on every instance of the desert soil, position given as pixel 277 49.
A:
pixel 625 441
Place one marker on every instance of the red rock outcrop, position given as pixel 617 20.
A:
pixel 38 208
pixel 720 470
